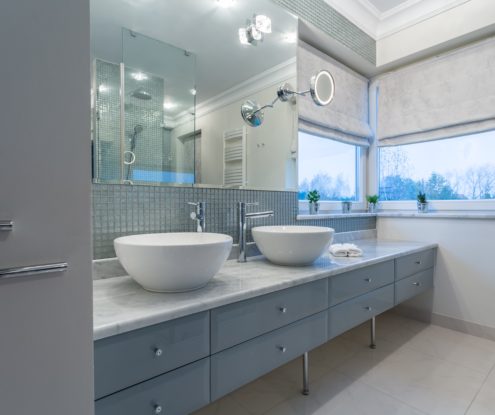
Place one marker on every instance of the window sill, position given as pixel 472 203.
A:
pixel 321 216
pixel 490 215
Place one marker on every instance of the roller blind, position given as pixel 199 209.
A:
pixel 447 96
pixel 346 118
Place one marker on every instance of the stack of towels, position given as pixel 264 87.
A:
pixel 345 250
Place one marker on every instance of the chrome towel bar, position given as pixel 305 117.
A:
pixel 32 270
pixel 6 225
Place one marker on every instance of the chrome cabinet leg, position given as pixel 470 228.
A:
pixel 305 390
pixel 373 333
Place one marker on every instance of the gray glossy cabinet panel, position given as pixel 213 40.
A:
pixel 411 264
pixel 179 392
pixel 347 315
pixel 354 283
pixel 238 322
pixel 241 364
pixel 414 285
pixel 124 360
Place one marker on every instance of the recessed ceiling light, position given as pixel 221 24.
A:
pixel 243 36
pixel 289 37
pixel 167 105
pixel 139 76
pixel 262 23
pixel 225 3
pixel 193 91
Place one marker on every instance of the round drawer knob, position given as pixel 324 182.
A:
pixel 368 279
pixel 368 308
pixel 283 310
pixel 417 284
pixel 158 409
pixel 418 262
pixel 158 352
pixel 283 349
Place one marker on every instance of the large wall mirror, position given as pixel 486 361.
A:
pixel 168 81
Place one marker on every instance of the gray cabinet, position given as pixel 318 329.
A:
pixel 124 360
pixel 238 322
pixel 241 364
pixel 414 285
pixel 179 392
pixel 351 313
pixel 354 283
pixel 411 264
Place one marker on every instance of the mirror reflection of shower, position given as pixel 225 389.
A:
pixel 130 155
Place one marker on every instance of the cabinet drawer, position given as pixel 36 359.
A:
pixel 126 359
pixel 354 312
pixel 238 322
pixel 352 284
pixel 179 392
pixel 241 364
pixel 411 286
pixel 411 264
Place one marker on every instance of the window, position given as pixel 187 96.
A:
pixel 329 166
pixel 461 168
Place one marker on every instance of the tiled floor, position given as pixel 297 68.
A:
pixel 417 369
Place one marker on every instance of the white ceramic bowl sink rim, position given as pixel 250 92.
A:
pixel 175 261
pixel 293 245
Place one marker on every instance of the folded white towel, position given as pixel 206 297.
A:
pixel 345 250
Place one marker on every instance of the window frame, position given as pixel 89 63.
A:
pixel 327 206
pixel 411 205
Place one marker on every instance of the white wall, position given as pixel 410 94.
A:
pixel 465 273
pixel 269 161
pixel 462 20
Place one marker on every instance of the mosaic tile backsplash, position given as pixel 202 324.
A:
pixel 124 210
pixel 328 20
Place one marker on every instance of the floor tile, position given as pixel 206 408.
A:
pixel 484 403
pixel 430 384
pixel 223 406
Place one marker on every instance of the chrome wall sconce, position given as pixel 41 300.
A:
pixel 255 30
pixel 322 89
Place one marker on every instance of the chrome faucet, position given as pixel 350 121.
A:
pixel 243 217
pixel 199 215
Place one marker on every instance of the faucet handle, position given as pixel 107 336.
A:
pixel 193 203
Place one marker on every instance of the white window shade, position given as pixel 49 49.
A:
pixel 447 96
pixel 346 117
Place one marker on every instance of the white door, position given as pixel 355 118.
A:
pixel 45 319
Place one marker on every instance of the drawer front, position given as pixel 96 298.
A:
pixel 179 392
pixel 411 264
pixel 241 364
pixel 412 286
pixel 126 359
pixel 352 284
pixel 238 322
pixel 347 315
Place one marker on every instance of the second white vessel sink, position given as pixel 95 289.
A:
pixel 173 262
pixel 292 245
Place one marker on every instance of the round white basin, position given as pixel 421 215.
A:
pixel 173 262
pixel 292 245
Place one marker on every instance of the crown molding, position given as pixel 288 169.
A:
pixel 378 24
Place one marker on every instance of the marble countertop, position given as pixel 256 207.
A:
pixel 121 305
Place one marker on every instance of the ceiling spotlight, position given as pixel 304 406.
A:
pixel 255 30
pixel 193 91
pixel 139 76
pixel 103 88
pixel 167 105
pixel 225 3
pixel 289 37
pixel 262 23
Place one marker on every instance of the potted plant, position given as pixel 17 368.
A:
pixel 372 202
pixel 422 202
pixel 314 198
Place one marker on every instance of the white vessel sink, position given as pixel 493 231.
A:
pixel 292 245
pixel 173 262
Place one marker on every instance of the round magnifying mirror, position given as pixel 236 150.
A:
pixel 322 88
pixel 251 113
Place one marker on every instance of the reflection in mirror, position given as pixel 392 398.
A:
pixel 167 91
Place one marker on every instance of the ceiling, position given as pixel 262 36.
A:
pixel 203 28
pixel 381 18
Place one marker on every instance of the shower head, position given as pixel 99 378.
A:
pixel 140 93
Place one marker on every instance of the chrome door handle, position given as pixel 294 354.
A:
pixel 6 225
pixel 30 270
